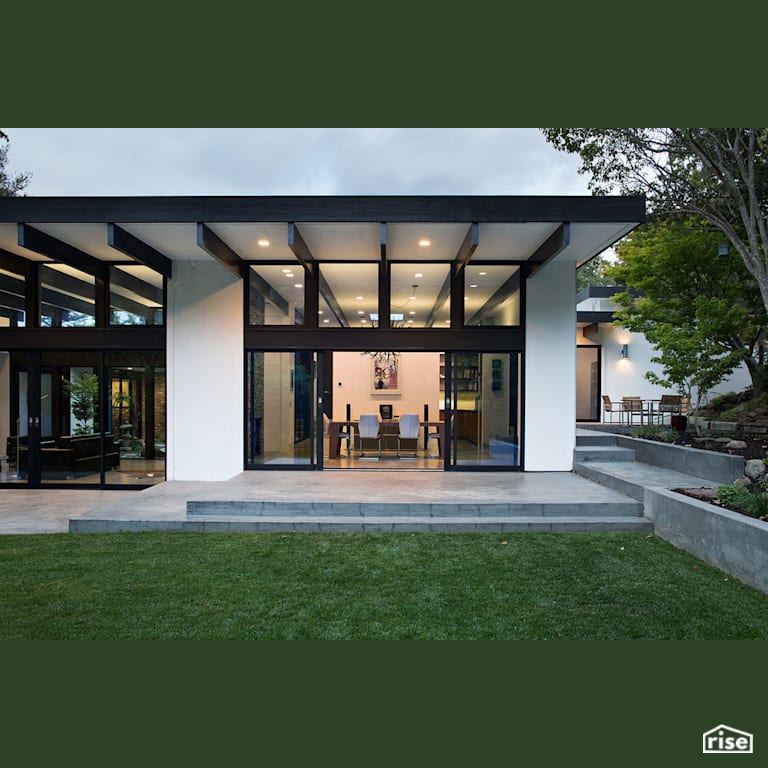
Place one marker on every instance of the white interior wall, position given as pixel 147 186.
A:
pixel 205 372
pixel 550 368
pixel 420 384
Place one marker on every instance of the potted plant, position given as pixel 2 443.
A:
pixel 83 393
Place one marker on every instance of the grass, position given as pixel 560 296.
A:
pixel 367 586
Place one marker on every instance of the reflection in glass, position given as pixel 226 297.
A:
pixel 280 396
pixel 277 295
pixel 486 408
pixel 12 301
pixel 491 295
pixel 348 296
pixel 68 297
pixel 420 295
pixel 135 295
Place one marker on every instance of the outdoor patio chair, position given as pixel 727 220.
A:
pixel 669 405
pixel 611 407
pixel 410 425
pixel 632 406
pixel 368 428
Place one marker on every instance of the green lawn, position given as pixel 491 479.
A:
pixel 367 586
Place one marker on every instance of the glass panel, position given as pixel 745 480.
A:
pixel 491 295
pixel 279 419
pixel 136 418
pixel 420 296
pixel 588 383
pixel 13 407
pixel 68 297
pixel 277 295
pixel 70 441
pixel 349 296
pixel 12 301
pixel 486 409
pixel 135 295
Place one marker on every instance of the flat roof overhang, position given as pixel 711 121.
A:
pixel 156 231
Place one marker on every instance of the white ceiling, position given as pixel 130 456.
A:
pixel 333 241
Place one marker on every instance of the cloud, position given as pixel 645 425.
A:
pixel 291 161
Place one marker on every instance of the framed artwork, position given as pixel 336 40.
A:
pixel 386 377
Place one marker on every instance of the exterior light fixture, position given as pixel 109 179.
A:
pixel 263 243
pixel 624 351
pixel 722 249
pixel 424 243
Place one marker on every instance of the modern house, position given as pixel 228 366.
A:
pixel 192 338
pixel 613 361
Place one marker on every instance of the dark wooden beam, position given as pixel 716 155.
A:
pixel 547 251
pixel 136 285
pixel 211 243
pixel 123 241
pixel 385 289
pixel 468 246
pixel 502 293
pixel 330 299
pixel 43 243
pixel 298 245
pixel 16 264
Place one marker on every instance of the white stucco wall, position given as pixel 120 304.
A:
pixel 550 368
pixel 621 377
pixel 205 372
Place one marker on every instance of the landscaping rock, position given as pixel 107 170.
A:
pixel 755 468
pixel 735 445
pixel 742 482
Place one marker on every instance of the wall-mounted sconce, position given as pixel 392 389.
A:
pixel 624 351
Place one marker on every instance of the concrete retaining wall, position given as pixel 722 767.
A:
pixel 721 467
pixel 727 540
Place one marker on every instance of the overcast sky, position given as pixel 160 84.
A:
pixel 291 161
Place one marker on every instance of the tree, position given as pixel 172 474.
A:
pixel 720 174
pixel 10 186
pixel 676 277
pixel 592 273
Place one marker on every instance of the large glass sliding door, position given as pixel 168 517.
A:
pixel 82 418
pixel 280 413
pixel 483 409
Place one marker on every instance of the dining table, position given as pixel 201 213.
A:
pixel 389 430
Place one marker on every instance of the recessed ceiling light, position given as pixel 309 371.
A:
pixel 411 313
pixel 289 274
pixel 359 298
pixel 263 243
pixel 298 285
pixel 473 285
pixel 418 274
pixel 482 273
pixel 466 298
pixel 424 243
pixel 410 321
pixel 360 312
pixel 326 320
pixel 286 271
pixel 320 311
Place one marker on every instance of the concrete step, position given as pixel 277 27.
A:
pixel 596 438
pixel 625 507
pixel 602 453
pixel 633 489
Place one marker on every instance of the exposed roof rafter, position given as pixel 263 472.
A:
pixel 556 242
pixel 46 245
pixel 212 244
pixel 123 241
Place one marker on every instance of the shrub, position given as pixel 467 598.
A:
pixel 747 501
pixel 655 432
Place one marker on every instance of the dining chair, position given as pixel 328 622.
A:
pixel 368 428
pixel 609 406
pixel 669 405
pixel 409 425
pixel 430 437
pixel 632 405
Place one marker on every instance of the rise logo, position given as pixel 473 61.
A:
pixel 724 740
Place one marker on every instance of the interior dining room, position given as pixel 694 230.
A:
pixel 384 410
